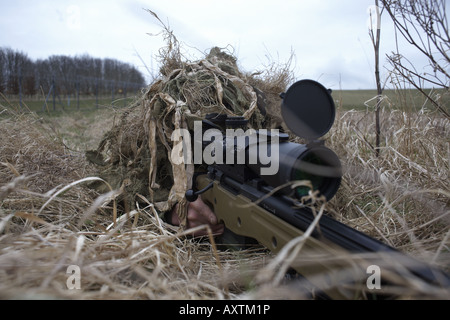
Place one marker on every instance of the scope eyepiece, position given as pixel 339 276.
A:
pixel 322 167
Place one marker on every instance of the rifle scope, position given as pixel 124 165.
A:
pixel 312 162
pixel 308 111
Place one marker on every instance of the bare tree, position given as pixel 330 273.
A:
pixel 424 25
pixel 375 38
pixel 2 70
pixel 65 75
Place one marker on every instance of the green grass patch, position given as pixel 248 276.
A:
pixel 406 100
pixel 65 105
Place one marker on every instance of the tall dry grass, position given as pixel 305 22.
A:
pixel 402 196
pixel 51 219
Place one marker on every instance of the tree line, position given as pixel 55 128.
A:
pixel 66 75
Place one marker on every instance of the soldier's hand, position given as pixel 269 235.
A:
pixel 198 214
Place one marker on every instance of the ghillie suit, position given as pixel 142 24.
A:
pixel 135 155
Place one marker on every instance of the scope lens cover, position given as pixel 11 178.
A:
pixel 308 109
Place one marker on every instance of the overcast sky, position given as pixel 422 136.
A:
pixel 328 37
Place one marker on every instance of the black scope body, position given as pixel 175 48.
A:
pixel 301 162
pixel 279 162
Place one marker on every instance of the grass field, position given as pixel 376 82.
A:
pixel 49 219
pixel 405 100
pixel 81 124
pixel 61 106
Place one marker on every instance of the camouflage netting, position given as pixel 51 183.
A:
pixel 135 154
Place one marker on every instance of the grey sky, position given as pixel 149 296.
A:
pixel 328 37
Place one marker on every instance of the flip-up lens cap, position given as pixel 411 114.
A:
pixel 308 109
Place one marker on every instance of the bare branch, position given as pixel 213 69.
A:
pixel 424 25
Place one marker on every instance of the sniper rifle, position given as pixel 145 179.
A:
pixel 274 209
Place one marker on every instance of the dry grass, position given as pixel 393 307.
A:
pixel 400 198
pixel 50 219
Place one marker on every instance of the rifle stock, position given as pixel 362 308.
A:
pixel 334 258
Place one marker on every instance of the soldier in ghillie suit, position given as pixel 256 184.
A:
pixel 135 155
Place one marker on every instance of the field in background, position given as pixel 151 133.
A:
pixel 66 104
pixel 406 100
pixel 81 123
